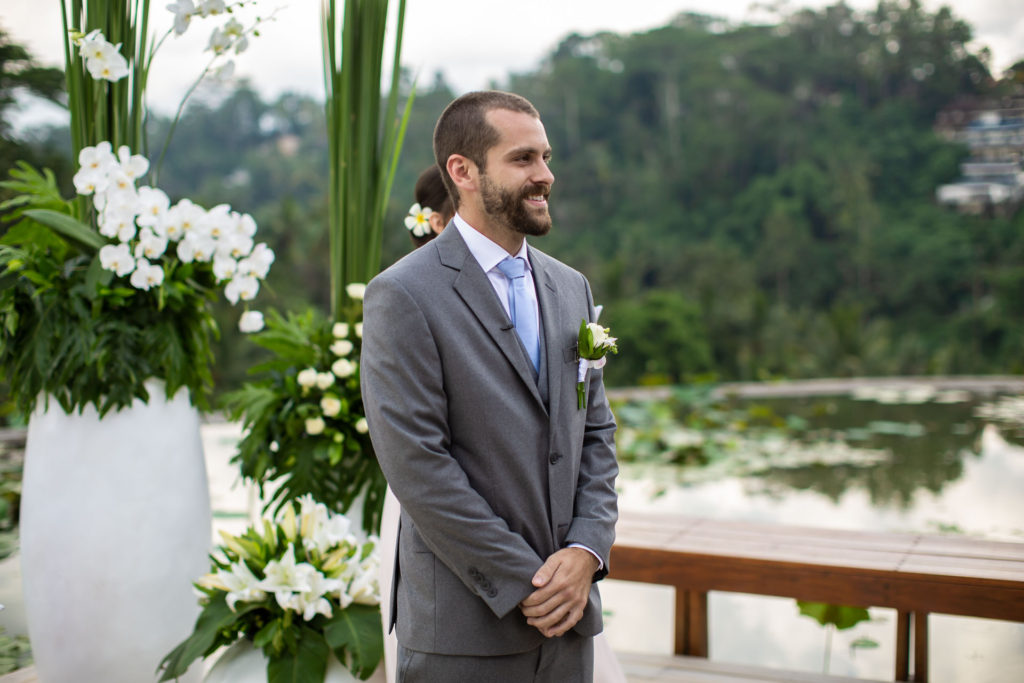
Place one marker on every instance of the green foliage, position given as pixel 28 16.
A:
pixel 69 331
pixel 334 462
pixel 15 653
pixel 840 616
pixel 363 142
pixel 662 335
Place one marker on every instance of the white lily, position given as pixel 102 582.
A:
pixel 285 577
pixel 241 584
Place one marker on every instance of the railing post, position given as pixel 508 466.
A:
pixel 691 635
pixel 902 645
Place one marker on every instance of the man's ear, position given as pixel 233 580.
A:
pixel 436 221
pixel 463 173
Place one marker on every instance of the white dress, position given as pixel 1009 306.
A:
pixel 606 667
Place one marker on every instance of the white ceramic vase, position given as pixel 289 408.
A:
pixel 243 663
pixel 115 526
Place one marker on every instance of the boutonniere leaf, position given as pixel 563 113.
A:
pixel 593 345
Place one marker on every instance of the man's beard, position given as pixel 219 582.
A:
pixel 511 210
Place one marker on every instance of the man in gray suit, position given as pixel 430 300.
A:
pixel 469 372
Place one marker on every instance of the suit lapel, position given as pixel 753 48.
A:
pixel 550 314
pixel 476 291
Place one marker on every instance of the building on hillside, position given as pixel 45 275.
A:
pixel 992 179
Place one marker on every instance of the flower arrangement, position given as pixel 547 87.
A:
pixel 593 346
pixel 300 587
pixel 94 301
pixel 306 405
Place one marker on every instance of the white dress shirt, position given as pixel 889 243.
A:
pixel 489 254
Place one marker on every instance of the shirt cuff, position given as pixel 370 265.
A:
pixel 600 562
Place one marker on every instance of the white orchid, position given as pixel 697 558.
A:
pixel 224 267
pixel 118 258
pixel 133 166
pixel 147 275
pixel 150 245
pixel 241 287
pixel 183 11
pixel 251 321
pixel 258 263
pixel 153 207
pixel 209 8
pixel 234 246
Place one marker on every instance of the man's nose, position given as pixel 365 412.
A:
pixel 543 174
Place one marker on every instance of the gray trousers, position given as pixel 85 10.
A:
pixel 567 659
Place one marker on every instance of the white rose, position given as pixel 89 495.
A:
pixel 342 347
pixel 359 330
pixel 340 330
pixel 330 405
pixel 361 426
pixel 355 290
pixel 324 380
pixel 343 367
pixel 307 378
pixel 315 425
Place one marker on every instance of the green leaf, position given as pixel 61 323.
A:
pixel 215 617
pixel 73 229
pixel 356 631
pixel 307 663
pixel 842 617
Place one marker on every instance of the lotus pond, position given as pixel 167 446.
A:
pixel 911 457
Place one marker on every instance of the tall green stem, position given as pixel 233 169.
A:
pixel 363 142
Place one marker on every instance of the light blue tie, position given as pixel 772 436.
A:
pixel 524 316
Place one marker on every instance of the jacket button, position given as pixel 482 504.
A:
pixel 555 457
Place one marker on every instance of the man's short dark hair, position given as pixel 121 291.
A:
pixel 463 129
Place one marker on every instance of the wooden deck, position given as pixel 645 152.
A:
pixel 916 574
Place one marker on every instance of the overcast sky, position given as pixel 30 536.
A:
pixel 471 41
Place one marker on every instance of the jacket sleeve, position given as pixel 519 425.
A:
pixel 596 508
pixel 406 409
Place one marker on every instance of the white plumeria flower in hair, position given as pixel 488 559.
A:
pixel 418 220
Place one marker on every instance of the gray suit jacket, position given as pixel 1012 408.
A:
pixel 492 478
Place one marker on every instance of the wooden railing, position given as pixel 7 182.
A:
pixel 915 574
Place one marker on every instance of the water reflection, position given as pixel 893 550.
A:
pixel 953 463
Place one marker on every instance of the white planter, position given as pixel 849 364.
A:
pixel 242 663
pixel 115 526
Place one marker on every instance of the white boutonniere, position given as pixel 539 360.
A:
pixel 593 345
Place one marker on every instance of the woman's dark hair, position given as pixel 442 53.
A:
pixel 430 192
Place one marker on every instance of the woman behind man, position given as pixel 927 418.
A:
pixel 427 218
